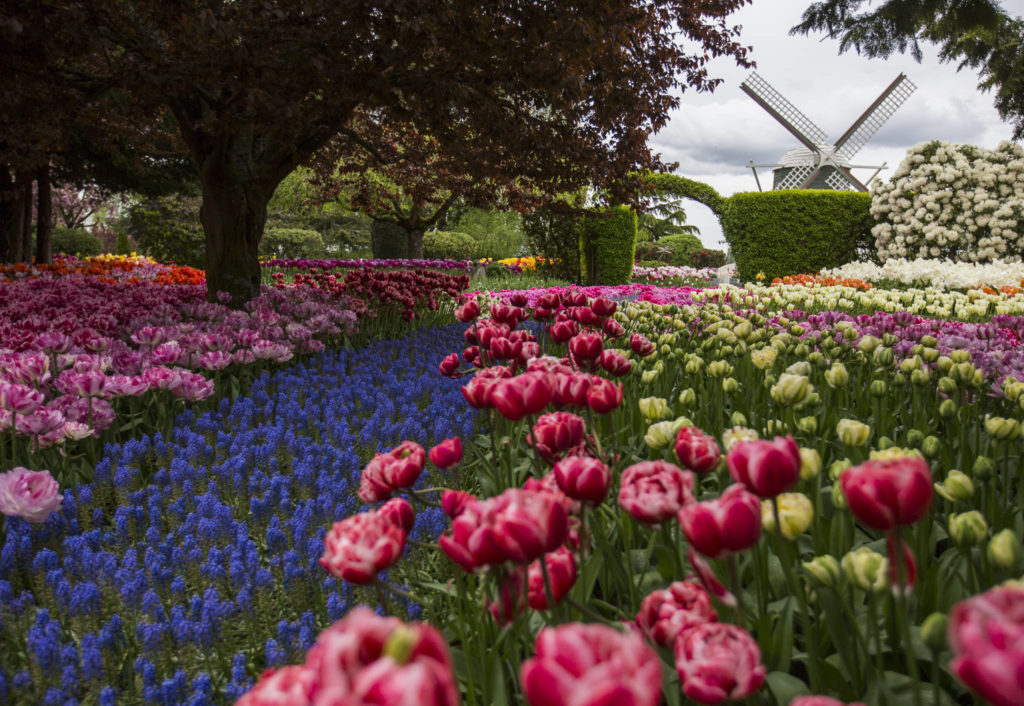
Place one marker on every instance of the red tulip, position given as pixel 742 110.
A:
pixel 767 468
pixel 518 299
pixel 561 574
pixel 586 316
pixel 730 523
pixel 820 701
pixel 603 307
pixel 583 478
pixel 591 665
pixel 697 450
pixel 293 685
pixel 549 484
pixel 708 579
pixel 586 347
pixel 615 363
pixel 548 300
pixel 454 502
pixel 571 389
pixel 562 331
pixel 449 367
pixel 468 311
pixel 478 390
pixel 542 314
pixel 524 394
pixel 640 345
pixel 574 297
pixel 517 526
pixel 511 599
pixel 666 613
pixel 986 636
pixel 604 395
pixel 612 328
pixel 718 662
pixel 489 330
pixel 529 351
pixel 399 512
pixel 654 491
pixel 447 453
pixel 887 494
pixel 359 547
pixel 471 354
pixel 388 472
pixel 557 432
pixel 504 349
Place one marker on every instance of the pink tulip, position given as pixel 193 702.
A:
pixel 454 502
pixel 447 453
pixel 986 636
pixel 391 471
pixel 591 665
pixel 571 389
pixel 766 468
pixel 30 495
pixel 361 546
pixel 718 662
pixel 654 491
pixel 640 345
pixel 468 312
pixel 167 354
pixel 604 395
pixel 148 336
pixel 696 450
pixel 31 369
pixel 518 526
pixel 555 433
pixel 215 360
pixel 522 395
pixel 193 387
pixel 586 347
pixel 820 701
pixel 19 399
pixel 583 478
pixel 561 574
pixel 612 328
pixel 42 421
pixel 125 385
pixel 399 512
pixel 603 307
pixel 666 613
pixel 615 363
pixel 53 342
pixel 449 367
pixel 293 685
pixel 529 351
pixel 728 524
pixel 888 494
pixel 478 390
pixel 162 378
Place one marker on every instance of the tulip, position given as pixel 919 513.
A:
pixel 1004 550
pixel 562 331
pixel 765 467
pixel 615 363
pixel 583 478
pixel 603 307
pixel 612 328
pixel 825 569
pixel 518 526
pixel 653 491
pixel 640 345
pixel 294 684
pixel 718 662
pixel 764 358
pixel 391 471
pixel 795 514
pixel 696 450
pixel 20 399
pixel 653 407
pixel 454 502
pixel 478 390
pixel 449 367
pixel 791 389
pixel 810 464
pixel 522 395
pixel 604 395
pixel 986 635
pixel 728 524
pixel 968 529
pixel 731 438
pixel 447 453
pixel 820 701
pixel 30 495
pixel 359 547
pixel 399 512
pixel 571 389
pixel 887 494
pixel 853 433
pixel 511 599
pixel 577 664
pixel 586 347
pixel 561 574
pixel 934 631
pixel 867 569
pixel 665 614
pixel 468 312
pixel 555 433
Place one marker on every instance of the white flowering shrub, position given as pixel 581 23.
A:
pixel 951 201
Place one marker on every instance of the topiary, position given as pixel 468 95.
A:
pixel 556 237
pixel 608 245
pixel 75 241
pixel 291 243
pixel 681 247
pixel 446 245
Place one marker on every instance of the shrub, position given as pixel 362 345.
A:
pixel 707 258
pixel 681 247
pixel 795 231
pixel 388 240
pixel 168 229
pixel 498 234
pixel 960 202
pixel 608 245
pixel 444 245
pixel 75 241
pixel 291 243
pixel 556 237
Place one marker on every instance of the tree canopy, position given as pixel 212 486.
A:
pixel 975 33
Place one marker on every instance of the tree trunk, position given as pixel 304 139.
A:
pixel 26 224
pixel 415 243
pixel 44 212
pixel 7 206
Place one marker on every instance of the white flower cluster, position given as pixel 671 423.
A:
pixel 669 272
pixel 952 201
pixel 943 274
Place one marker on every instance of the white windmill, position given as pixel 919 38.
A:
pixel 818 164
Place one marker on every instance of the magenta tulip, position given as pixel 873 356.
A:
pixel 697 450
pixel 718 662
pixel 728 524
pixel 767 468
pixel 583 478
pixel 361 546
pixel 654 491
pixel 888 494
pixel 447 453
pixel 666 613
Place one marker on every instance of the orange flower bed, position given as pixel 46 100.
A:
pixel 804 280
pixel 112 269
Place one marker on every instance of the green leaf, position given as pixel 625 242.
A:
pixel 785 687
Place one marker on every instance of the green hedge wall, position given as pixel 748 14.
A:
pixel 75 241
pixel 795 231
pixel 446 245
pixel 388 240
pixel 608 246
pixel 291 243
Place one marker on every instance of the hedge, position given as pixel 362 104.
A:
pixel 75 241
pixel 795 231
pixel 168 229
pixel 291 243
pixel 555 236
pixel 388 240
pixel 608 245
pixel 446 245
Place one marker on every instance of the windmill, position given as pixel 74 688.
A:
pixel 818 164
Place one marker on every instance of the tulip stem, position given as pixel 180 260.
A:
pixel 593 614
pixel 903 613
pixel 734 581
pixel 396 590
pixel 549 595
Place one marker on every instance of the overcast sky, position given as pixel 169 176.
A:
pixel 714 136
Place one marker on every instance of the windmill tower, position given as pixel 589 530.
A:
pixel 817 164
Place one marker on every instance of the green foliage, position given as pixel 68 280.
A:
pixel 672 185
pixel 796 231
pixel 168 229
pixel 75 241
pixel 445 245
pixel 124 243
pixel 291 243
pixel 608 245
pixel 556 237
pixel 343 232
pixel 707 258
pixel 388 240
pixel 498 234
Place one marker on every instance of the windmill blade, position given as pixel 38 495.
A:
pixel 875 116
pixel 785 112
pixel 795 178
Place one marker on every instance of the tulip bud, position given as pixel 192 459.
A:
pixel 853 433
pixel 914 438
pixel 795 514
pixel 883 357
pixel 960 356
pixel 653 407
pixel 837 376
pixel 957 487
pixel 920 377
pixel 732 437
pixel 867 570
pixel 1001 428
pixel 801 351
pixel 944 364
pixel 649 376
pixel 801 367
pixel 738 419
pixel 688 398
pixel 909 365
pixel 888 340
pixel 868 344
pixel 743 329
pixel 660 435
pixel 810 464
pixel 692 367
pixel 825 569
pixel 968 529
pixel 790 389
pixel 719 368
pixel 877 388
pixel 930 355
pixel 764 358
pixel 807 425
pixel 838 498
pixel 929 341
pixel 1004 550
pixel 947 409
pixel 983 468
pixel 933 632
pixel 899 380
pixel 931 447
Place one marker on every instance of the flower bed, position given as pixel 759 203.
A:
pixel 107 268
pixel 673 275
pixel 326 265
pixel 940 274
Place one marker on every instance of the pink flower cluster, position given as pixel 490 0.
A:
pixel 30 495
pixel 986 635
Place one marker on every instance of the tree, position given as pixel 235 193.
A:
pixel 556 94
pixel 976 33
